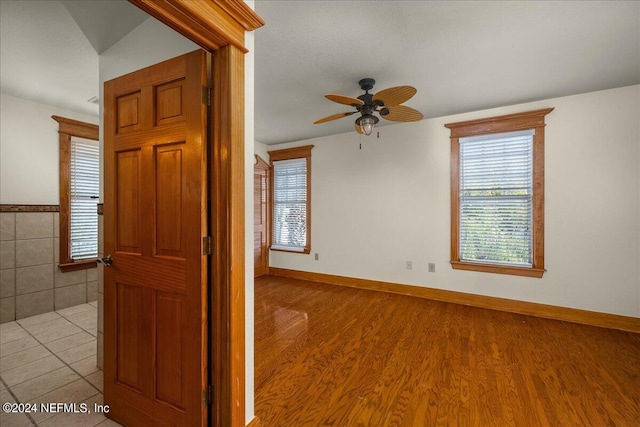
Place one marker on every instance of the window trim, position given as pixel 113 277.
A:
pixel 68 128
pixel 289 154
pixel 507 123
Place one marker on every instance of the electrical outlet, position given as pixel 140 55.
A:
pixel 317 256
pixel 409 265
pixel 432 267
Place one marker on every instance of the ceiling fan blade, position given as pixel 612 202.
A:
pixel 333 117
pixel 359 129
pixel 395 95
pixel 346 100
pixel 401 113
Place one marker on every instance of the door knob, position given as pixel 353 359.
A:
pixel 107 261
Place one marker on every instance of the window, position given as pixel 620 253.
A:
pixel 84 191
pixel 291 199
pixel 79 191
pixel 497 194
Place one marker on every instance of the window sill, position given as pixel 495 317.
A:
pixel 293 251
pixel 78 265
pixel 498 269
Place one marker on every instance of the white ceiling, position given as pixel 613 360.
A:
pixel 49 49
pixel 461 56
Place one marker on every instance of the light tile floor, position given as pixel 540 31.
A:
pixel 51 358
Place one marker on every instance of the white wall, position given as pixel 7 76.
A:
pixel 149 43
pixel 248 270
pixel 375 208
pixel 29 151
pixel 263 149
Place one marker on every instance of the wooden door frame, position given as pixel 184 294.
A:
pixel 218 26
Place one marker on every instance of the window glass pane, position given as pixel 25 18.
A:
pixel 290 203
pixel 496 198
pixel 84 192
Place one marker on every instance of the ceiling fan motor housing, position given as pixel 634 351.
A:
pixel 367 98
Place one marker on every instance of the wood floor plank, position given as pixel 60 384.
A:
pixel 327 355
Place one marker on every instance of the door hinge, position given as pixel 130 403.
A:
pixel 206 96
pixel 208 245
pixel 207 395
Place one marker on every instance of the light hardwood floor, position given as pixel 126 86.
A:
pixel 328 355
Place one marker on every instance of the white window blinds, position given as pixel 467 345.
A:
pixel 84 191
pixel 496 198
pixel 290 204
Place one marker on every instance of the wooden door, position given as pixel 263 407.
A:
pixel 155 318
pixel 261 217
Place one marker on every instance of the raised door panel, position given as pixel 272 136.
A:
pixel 169 101
pixel 128 112
pixel 129 336
pixel 128 178
pixel 132 345
pixel 170 346
pixel 170 183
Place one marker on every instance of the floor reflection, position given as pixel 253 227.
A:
pixel 290 323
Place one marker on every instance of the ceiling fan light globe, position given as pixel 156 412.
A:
pixel 367 124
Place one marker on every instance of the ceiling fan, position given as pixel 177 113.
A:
pixel 386 103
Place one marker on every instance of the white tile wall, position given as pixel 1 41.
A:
pixel 30 281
